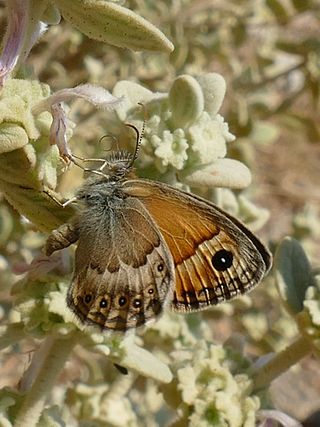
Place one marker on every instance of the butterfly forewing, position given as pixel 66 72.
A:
pixel 215 256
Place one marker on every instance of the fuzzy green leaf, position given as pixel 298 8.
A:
pixel 114 24
pixel 293 274
pixel 12 137
pixel 36 206
pixel 186 100
pixel 214 89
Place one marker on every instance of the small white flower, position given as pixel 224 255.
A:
pixel 171 148
pixel 188 384
pixel 224 127
pixel 208 138
pixel 214 394
pixel 184 136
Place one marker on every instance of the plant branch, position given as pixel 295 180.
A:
pixel 281 362
pixel 54 360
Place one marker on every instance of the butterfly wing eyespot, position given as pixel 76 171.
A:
pixel 222 260
pixel 87 298
pixel 125 281
pixel 137 302
pixel 216 257
pixel 103 303
pixel 122 301
pixel 122 305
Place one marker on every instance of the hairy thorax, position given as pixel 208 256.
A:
pixel 101 193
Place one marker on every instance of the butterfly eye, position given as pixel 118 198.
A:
pixel 222 260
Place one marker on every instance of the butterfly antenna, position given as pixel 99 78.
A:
pixel 114 140
pixel 139 135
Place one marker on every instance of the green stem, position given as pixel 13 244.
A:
pixel 55 358
pixel 281 362
pixel 271 79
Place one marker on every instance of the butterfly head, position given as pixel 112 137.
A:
pixel 118 164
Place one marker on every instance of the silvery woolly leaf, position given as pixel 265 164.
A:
pixel 214 88
pixel 227 173
pixel 143 362
pixel 12 137
pixel 293 274
pixel 110 23
pixel 186 100
pixel 47 216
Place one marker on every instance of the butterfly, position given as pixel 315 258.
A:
pixel 144 245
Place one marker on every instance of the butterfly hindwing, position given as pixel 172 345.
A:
pixel 123 272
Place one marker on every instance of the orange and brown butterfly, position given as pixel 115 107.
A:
pixel 144 245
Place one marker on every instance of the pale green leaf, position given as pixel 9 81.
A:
pixel 12 137
pixel 293 274
pixel 114 24
pixel 186 100
pixel 214 88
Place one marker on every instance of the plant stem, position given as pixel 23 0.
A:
pixel 55 358
pixel 271 79
pixel 38 358
pixel 281 362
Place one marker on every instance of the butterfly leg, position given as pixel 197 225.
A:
pixel 96 171
pixel 83 159
pixel 61 238
pixel 54 197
